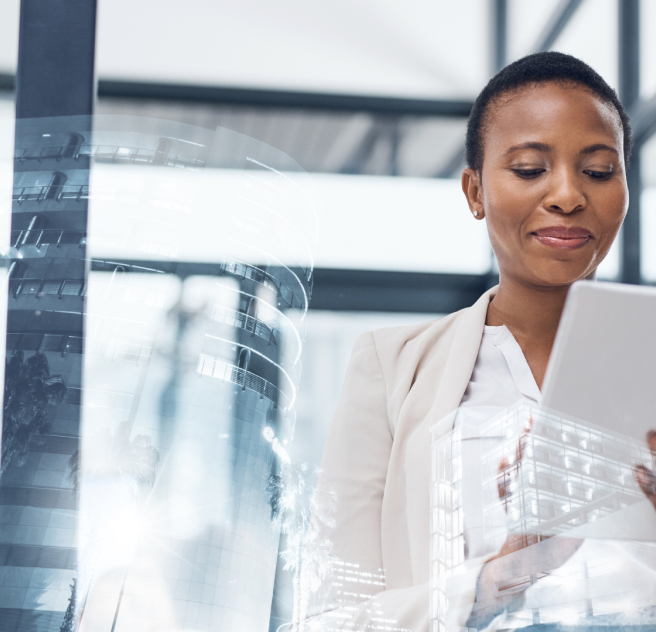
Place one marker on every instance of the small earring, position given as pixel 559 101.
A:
pixel 475 213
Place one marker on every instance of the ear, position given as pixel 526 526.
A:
pixel 471 187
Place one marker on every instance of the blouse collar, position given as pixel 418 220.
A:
pixel 519 368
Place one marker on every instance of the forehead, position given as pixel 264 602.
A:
pixel 557 113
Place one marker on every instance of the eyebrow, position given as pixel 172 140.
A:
pixel 598 147
pixel 530 145
pixel 544 147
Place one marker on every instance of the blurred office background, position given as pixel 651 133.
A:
pixel 371 98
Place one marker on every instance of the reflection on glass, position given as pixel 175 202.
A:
pixel 154 511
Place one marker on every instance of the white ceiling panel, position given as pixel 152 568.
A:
pixel 415 48
pixel 9 15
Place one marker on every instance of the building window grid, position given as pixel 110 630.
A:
pixel 563 476
pixel 567 466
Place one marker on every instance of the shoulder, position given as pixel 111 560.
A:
pixel 403 357
pixel 393 357
pixel 388 363
pixel 396 346
pixel 411 343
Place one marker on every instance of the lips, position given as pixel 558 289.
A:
pixel 563 237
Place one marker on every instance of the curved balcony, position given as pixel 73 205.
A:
pixel 219 369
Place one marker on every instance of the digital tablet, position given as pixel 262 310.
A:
pixel 602 377
pixel 603 365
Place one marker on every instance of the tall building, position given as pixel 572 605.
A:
pixel 197 291
pixel 43 381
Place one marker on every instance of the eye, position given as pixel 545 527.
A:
pixel 528 174
pixel 598 175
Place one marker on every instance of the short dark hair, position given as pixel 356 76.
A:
pixel 532 70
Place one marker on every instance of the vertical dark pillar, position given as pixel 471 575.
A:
pixel 45 325
pixel 629 88
pixel 56 58
pixel 500 34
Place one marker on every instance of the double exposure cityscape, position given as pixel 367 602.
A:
pixel 328 316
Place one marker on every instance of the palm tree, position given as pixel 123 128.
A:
pixel 30 394
pixel 301 508
pixel 69 616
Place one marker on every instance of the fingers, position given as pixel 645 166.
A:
pixel 504 479
pixel 503 483
pixel 651 441
pixel 517 542
pixel 646 481
pixel 523 438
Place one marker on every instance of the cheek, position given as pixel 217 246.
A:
pixel 611 210
pixel 506 210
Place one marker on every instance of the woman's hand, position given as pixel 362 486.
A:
pixel 644 476
pixel 522 559
pixel 520 563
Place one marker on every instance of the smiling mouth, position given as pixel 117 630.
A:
pixel 563 237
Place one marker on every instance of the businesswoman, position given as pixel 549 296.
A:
pixel 547 147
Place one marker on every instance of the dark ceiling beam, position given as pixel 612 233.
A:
pixel 383 129
pixel 286 99
pixel 403 292
pixel 556 24
pixel 354 164
pixel 7 82
pixel 279 99
pixel 643 121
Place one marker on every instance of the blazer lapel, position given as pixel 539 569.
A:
pixel 461 359
pixel 458 369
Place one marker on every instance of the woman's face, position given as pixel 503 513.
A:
pixel 553 183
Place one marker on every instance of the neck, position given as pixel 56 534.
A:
pixel 531 313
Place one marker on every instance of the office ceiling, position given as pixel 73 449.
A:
pixel 415 48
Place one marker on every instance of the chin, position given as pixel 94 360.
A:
pixel 561 273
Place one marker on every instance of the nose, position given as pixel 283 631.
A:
pixel 565 194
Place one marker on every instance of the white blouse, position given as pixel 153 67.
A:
pixel 501 378
pixel 501 374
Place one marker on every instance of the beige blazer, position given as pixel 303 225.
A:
pixel 400 382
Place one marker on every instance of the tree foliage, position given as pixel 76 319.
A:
pixel 69 615
pixel 303 508
pixel 30 394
